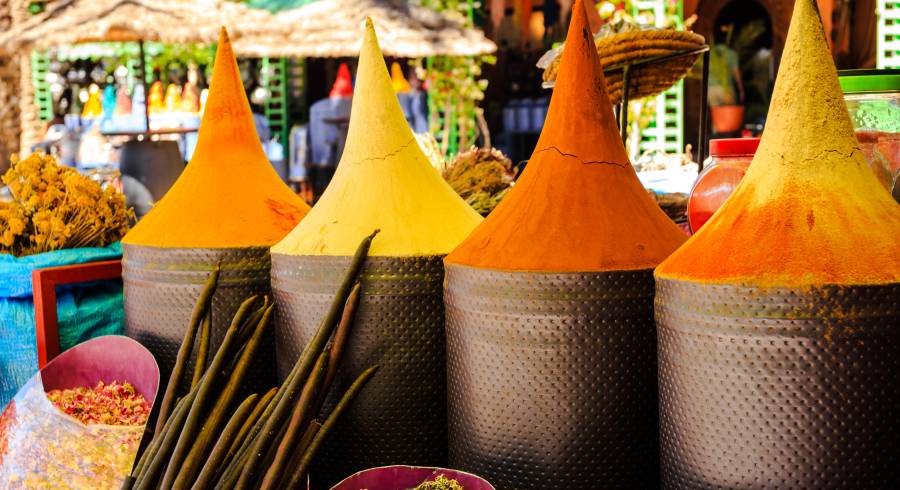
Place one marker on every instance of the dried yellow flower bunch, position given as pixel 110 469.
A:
pixel 56 208
pixel 482 177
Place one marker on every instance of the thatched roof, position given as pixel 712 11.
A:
pixel 167 21
pixel 334 28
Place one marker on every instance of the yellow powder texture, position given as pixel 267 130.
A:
pixel 228 195
pixel 579 205
pixel 383 181
pixel 809 211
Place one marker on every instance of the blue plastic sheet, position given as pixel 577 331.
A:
pixel 84 311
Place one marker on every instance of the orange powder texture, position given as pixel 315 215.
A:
pixel 809 210
pixel 228 195
pixel 579 205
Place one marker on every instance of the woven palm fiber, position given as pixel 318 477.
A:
pixel 649 83
pixel 629 47
pixel 384 181
pixel 778 322
pixel 550 337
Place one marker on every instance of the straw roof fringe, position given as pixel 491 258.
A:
pixel 167 21
pixel 332 28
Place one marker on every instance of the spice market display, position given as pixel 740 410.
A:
pixel 397 287
pixel 225 210
pixel 383 181
pixel 778 319
pixel 551 352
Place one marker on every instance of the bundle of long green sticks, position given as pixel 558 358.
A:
pixel 209 438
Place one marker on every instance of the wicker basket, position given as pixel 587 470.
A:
pixel 630 47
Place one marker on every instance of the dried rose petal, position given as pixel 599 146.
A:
pixel 110 404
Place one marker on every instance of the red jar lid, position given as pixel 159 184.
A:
pixel 733 146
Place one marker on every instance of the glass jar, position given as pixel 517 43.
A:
pixel 873 100
pixel 728 162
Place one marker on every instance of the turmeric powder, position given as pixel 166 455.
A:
pixel 228 195
pixel 579 205
pixel 809 211
pixel 383 181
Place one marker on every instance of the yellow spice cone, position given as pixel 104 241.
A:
pixel 383 181
pixel 228 195
pixel 810 210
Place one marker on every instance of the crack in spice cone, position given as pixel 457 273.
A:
pixel 385 182
pixel 779 346
pixel 550 337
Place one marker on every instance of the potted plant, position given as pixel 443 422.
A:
pixel 726 90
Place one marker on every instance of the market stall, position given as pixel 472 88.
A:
pixel 390 338
pixel 330 28
pixel 156 118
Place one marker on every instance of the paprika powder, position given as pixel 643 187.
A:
pixel 578 205
pixel 551 346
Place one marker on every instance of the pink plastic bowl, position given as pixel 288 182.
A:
pixel 108 358
pixel 404 477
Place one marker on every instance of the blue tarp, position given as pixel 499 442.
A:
pixel 84 311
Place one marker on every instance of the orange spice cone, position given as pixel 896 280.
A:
pixel 550 336
pixel 398 79
pixel 384 181
pixel 225 210
pixel 778 321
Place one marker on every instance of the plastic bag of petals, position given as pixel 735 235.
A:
pixel 88 436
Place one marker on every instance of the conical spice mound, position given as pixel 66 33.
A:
pixel 579 205
pixel 383 181
pixel 778 321
pixel 228 195
pixel 551 345
pixel 223 213
pixel 809 211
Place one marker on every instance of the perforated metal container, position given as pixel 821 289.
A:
pixel 401 414
pixel 163 284
pixel 552 378
pixel 779 388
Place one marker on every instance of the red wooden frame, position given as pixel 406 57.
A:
pixel 44 282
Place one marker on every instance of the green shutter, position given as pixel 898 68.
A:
pixel 43 99
pixel 666 129
pixel 274 78
pixel 888 43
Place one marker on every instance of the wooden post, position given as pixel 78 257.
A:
pixel 144 85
